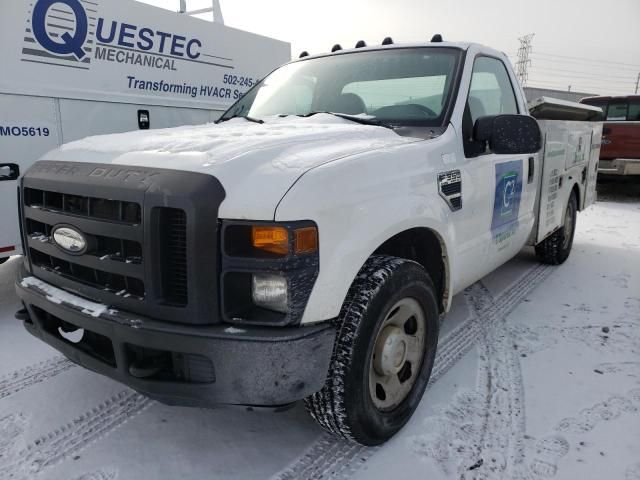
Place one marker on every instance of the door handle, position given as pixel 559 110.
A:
pixel 9 171
pixel 532 167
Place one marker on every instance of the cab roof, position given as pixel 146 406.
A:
pixel 464 46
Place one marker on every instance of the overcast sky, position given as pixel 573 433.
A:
pixel 592 45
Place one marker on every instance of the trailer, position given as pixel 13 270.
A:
pixel 75 68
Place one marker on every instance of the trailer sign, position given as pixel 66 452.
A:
pixel 130 49
pixel 68 44
pixel 63 33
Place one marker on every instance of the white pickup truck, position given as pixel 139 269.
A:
pixel 306 245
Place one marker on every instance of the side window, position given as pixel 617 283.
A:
pixel 617 110
pixel 634 111
pixel 491 93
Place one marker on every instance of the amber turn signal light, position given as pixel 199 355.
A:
pixel 271 239
pixel 306 240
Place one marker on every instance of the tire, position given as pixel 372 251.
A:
pixel 4 260
pixel 350 404
pixel 555 249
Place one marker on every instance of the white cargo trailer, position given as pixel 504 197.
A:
pixel 74 68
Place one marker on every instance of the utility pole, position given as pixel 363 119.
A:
pixel 637 83
pixel 522 65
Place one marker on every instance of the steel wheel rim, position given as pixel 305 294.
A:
pixel 398 353
pixel 568 227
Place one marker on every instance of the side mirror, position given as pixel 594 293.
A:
pixel 509 134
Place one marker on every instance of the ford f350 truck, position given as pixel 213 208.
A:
pixel 306 245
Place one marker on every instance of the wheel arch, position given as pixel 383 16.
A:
pixel 428 248
pixel 577 191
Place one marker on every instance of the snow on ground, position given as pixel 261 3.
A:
pixel 537 376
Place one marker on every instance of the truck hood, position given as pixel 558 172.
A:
pixel 256 163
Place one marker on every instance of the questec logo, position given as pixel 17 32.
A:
pixel 60 32
pixel 75 34
pixel 71 33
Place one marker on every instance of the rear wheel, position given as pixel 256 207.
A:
pixel 384 352
pixel 555 249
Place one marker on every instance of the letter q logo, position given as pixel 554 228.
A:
pixel 71 43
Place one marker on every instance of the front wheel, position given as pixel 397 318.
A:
pixel 555 249
pixel 383 355
pixel 4 260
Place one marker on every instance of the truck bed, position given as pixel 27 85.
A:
pixel 571 148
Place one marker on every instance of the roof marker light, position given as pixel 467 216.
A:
pixel 361 44
pixel 437 38
pixel 304 54
pixel 387 41
pixel 336 48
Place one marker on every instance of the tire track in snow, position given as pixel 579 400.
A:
pixel 99 475
pixel 66 441
pixel 329 457
pixel 481 433
pixel 17 381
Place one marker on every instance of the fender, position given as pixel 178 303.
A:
pixel 362 201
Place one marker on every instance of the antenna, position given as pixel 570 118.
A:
pixel 638 83
pixel 215 8
pixel 522 65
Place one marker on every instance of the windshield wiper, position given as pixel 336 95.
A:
pixel 250 119
pixel 354 118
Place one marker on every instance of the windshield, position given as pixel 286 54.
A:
pixel 404 87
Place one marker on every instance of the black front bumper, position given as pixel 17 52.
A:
pixel 249 366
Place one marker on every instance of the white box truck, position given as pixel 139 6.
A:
pixel 74 68
pixel 305 246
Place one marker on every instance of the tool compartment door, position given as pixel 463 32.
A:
pixel 556 139
pixel 28 129
pixel 592 166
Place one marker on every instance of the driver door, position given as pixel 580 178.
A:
pixel 494 225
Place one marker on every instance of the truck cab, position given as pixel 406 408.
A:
pixel 305 245
pixel 620 153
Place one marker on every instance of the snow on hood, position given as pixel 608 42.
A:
pixel 249 159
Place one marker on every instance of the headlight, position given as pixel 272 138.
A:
pixel 270 291
pixel 262 262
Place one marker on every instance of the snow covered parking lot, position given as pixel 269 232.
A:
pixel 537 376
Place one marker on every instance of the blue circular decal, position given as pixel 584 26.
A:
pixel 70 44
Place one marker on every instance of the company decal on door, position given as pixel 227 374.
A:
pixel 506 204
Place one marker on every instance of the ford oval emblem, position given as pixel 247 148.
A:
pixel 70 240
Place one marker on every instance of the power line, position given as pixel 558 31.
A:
pixel 522 65
pixel 590 76
pixel 583 59
pixel 618 66
pixel 602 71
pixel 583 88
pixel 580 64
pixel 590 82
